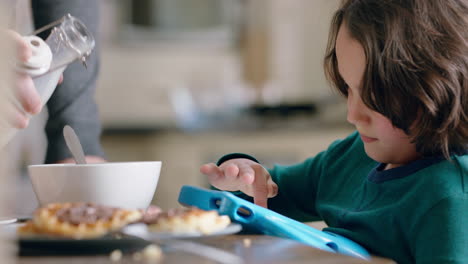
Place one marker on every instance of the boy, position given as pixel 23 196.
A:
pixel 399 184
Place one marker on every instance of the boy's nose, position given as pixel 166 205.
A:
pixel 357 111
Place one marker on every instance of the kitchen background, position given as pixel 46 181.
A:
pixel 187 81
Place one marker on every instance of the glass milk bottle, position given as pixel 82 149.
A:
pixel 69 40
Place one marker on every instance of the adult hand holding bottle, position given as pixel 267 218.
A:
pixel 24 90
pixel 26 100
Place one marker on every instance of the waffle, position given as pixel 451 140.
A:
pixel 189 220
pixel 78 220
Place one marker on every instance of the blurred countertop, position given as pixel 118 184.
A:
pixel 255 118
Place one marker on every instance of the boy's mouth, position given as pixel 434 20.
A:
pixel 367 139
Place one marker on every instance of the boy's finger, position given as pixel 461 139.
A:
pixel 260 188
pixel 211 169
pixel 231 171
pixel 246 174
pixel 272 188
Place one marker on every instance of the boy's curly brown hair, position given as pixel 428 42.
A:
pixel 417 66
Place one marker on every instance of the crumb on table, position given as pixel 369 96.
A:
pixel 152 252
pixel 247 242
pixel 115 255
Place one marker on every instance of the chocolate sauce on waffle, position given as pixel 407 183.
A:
pixel 155 216
pixel 87 213
pixel 151 214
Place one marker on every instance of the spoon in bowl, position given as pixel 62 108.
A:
pixel 74 145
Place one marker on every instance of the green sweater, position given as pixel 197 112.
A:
pixel 417 213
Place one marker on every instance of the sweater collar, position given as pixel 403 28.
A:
pixel 378 174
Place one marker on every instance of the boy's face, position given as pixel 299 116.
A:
pixel 382 141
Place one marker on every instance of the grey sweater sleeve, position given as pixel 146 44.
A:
pixel 72 102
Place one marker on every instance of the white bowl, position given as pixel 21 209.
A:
pixel 127 185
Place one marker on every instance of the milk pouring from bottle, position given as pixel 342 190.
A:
pixel 68 41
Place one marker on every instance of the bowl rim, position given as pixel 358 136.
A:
pixel 100 164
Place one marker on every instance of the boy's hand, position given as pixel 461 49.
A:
pixel 242 175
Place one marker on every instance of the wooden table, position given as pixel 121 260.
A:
pixel 250 248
